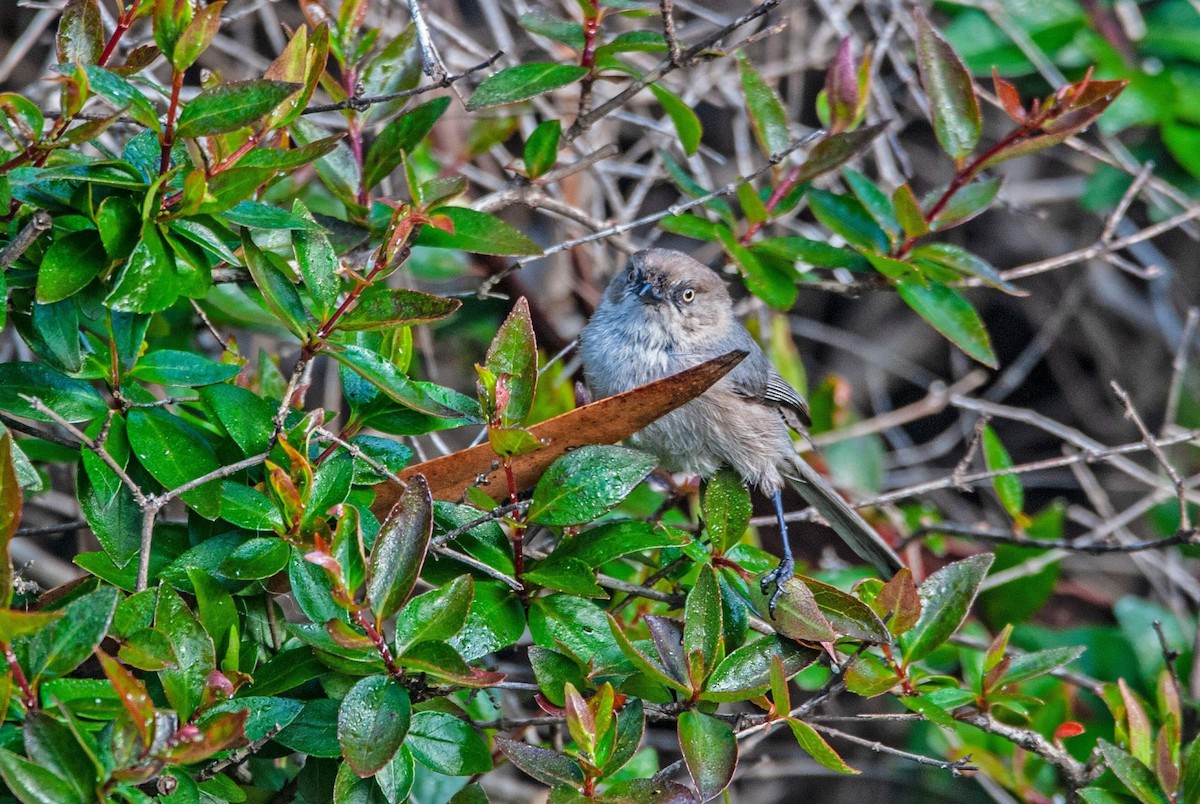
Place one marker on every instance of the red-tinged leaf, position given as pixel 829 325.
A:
pixel 18 623
pixel 1141 736
pixel 548 767
pixel 952 102
pixel 796 613
pixel 384 308
pixel 133 694
pixel 1079 112
pixel 898 603
pixel 221 732
pixel 1166 763
pixel 512 356
pixel 816 747
pixel 710 751
pixel 946 598
pixel 869 676
pixel 996 650
pixel 836 150
pixel 1010 99
pixel 347 636
pixel 198 35
pixel 581 722
pixel 80 35
pixel 1068 730
pixel 841 88
pixel 399 550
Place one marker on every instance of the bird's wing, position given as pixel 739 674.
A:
pixel 755 378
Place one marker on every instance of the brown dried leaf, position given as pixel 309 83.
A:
pixel 605 422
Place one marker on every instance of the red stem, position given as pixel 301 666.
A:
pixel 518 537
pixel 31 701
pixel 380 643
pixel 777 195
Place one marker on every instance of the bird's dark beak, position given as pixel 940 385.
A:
pixel 648 293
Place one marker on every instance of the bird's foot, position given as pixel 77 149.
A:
pixel 777 577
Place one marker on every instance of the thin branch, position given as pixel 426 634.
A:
pixel 216 474
pixel 675 209
pixel 359 104
pixel 1078 774
pixel 956 767
pixel 1148 439
pixel 39 222
pixel 674 52
pixel 584 122
pixel 1179 365
pixel 1189 536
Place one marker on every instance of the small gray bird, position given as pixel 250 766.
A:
pixel 667 312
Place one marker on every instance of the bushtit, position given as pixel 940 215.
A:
pixel 667 312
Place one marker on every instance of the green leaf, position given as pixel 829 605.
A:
pixel 726 508
pixel 382 307
pixel 398 138
pixel 963 262
pixel 248 508
pixel 31 783
pixel 314 730
pixel 686 122
pixel 399 549
pixel 946 598
pixel 175 453
pixel 566 575
pixel 767 115
pixel 122 94
pixel 846 216
pixel 869 676
pixel 1136 777
pixel 59 747
pixel 702 622
pixel 694 226
pixel 1040 662
pixel 74 400
pixel 255 559
pixel 445 744
pixel 585 483
pixel 331 486
pixel 15 623
pixel 523 81
pixel 945 309
pixel 477 232
pixel 55 651
pixel 386 377
pixel 434 616
pixel 813 252
pixel 512 358
pixel 69 265
pixel 245 415
pixel 747 670
pixel 875 201
pixel 610 540
pixel 556 28
pixel 548 767
pixel 278 290
pixel 966 203
pixel 773 286
pixel 650 666
pixel 709 750
pixel 318 263
pixel 541 149
pixel 952 102
pixel 816 747
pixel 1008 487
pixel 230 106
pixel 372 722
pixel 195 654
pixel 182 369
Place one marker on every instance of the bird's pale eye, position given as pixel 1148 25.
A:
pixel 688 295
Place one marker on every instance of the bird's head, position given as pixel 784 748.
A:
pixel 671 290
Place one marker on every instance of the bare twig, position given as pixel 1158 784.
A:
pixel 38 223
pixel 1148 439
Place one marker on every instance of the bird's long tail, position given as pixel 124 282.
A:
pixel 854 530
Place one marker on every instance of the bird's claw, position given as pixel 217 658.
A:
pixel 777 577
